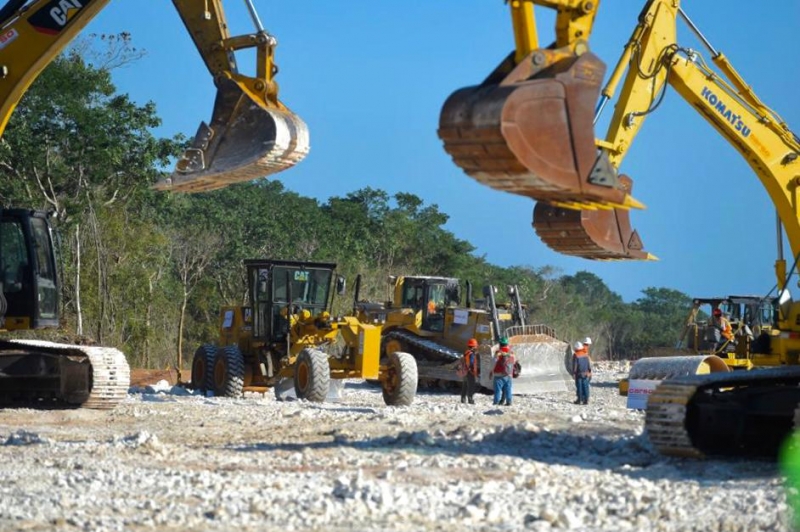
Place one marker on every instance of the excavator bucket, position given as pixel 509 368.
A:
pixel 602 234
pixel 544 361
pixel 531 132
pixel 245 140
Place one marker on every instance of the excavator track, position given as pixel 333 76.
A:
pixel 51 374
pixel 739 414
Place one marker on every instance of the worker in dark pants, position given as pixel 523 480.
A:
pixel 582 371
pixel 470 369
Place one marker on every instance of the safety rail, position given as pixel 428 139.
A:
pixel 530 330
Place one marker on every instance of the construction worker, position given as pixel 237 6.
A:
pixel 723 332
pixel 582 371
pixel 586 343
pixel 470 368
pixel 503 373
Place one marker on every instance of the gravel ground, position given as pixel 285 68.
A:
pixel 166 461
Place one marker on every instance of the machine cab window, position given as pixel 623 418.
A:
pixel 274 284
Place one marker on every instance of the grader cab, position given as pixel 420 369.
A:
pixel 287 334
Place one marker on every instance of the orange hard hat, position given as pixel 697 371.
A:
pixel 472 342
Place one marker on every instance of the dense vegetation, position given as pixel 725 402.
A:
pixel 147 271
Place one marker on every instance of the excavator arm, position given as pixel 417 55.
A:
pixel 251 133
pixel 527 129
pixel 744 413
pixel 655 61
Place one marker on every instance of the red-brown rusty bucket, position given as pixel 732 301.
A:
pixel 532 136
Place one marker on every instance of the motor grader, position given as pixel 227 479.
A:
pixel 287 333
pixel 425 318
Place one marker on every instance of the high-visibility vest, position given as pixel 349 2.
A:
pixel 471 361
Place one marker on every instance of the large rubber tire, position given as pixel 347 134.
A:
pixel 312 375
pixel 202 367
pixel 228 376
pixel 400 386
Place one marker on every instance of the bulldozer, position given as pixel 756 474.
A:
pixel 287 336
pixel 426 319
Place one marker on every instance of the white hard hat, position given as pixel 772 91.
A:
pixel 587 341
pixel 577 346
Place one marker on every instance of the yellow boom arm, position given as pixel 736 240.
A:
pixel 653 58
pixel 251 133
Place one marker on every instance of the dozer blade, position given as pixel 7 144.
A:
pixel 544 360
pixel 602 234
pixel 531 133
pixel 245 141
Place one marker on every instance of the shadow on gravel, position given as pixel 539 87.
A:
pixel 605 385
pixel 631 456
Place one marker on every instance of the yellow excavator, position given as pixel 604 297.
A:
pixel 251 135
pixel 742 413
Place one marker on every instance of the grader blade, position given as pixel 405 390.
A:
pixel 531 133
pixel 244 141
pixel 602 234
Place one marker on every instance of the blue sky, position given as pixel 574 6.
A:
pixel 369 78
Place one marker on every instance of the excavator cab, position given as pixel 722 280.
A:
pixel 29 297
pixel 431 296
pixel 528 129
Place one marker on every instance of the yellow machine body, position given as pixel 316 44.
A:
pixel 288 333
pixel 737 413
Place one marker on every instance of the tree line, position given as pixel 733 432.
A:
pixel 147 271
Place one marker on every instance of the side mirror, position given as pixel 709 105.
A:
pixel 341 285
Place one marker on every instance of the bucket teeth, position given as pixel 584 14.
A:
pixel 244 141
pixel 599 234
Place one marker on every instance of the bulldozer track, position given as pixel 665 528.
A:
pixel 429 349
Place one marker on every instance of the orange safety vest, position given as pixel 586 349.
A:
pixel 727 330
pixel 471 361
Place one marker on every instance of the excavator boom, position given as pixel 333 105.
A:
pixel 251 133
pixel 745 413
